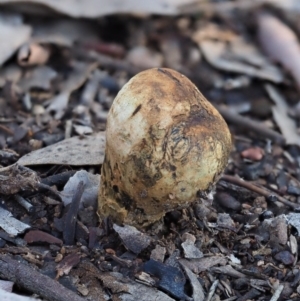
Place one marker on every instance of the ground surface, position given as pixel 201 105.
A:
pixel 58 79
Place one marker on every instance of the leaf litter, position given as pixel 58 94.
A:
pixel 57 81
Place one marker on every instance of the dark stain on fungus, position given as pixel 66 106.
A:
pixel 173 167
pixel 136 110
pixel 115 188
pixel 169 74
pixel 126 201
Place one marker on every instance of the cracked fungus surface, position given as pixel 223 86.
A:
pixel 165 143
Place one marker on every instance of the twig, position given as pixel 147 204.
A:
pixel 53 193
pixel 25 204
pixel 116 64
pixel 251 125
pixel 58 179
pixel 259 190
pixel 71 217
pixel 6 130
pixel 277 293
pixel 106 61
pixel 212 290
pixel 33 281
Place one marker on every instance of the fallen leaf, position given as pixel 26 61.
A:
pixel 92 9
pixel 189 248
pixel 12 36
pixel 281 116
pixel 79 74
pixel 91 188
pixel 133 239
pixel 58 104
pixel 220 57
pixel 77 151
pixel 40 78
pixel 198 291
pixel 280 43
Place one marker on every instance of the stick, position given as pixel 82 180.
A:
pixel 35 282
pixel 251 125
pixel 259 190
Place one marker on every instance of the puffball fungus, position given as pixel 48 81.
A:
pixel 164 144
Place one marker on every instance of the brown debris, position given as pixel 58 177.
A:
pixel 36 236
pixel 64 267
pixel 254 153
pixel 16 178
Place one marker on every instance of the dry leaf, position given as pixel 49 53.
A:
pixel 92 9
pixel 280 43
pixel 91 188
pixel 189 248
pixel 198 291
pixel 79 75
pixel 39 77
pixel 88 150
pixel 58 105
pixel 221 57
pixel 280 113
pixel 133 239
pixel 12 36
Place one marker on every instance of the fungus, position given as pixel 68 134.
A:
pixel 165 144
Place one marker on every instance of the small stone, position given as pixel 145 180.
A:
pixel 285 257
pixel 226 200
pixel 253 153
